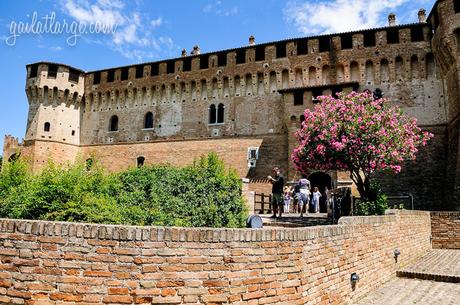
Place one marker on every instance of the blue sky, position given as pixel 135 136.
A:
pixel 145 30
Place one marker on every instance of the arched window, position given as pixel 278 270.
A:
pixel 148 120
pixel 212 114
pixel 113 123
pixel 47 127
pixel 14 157
pixel 140 161
pixel 220 113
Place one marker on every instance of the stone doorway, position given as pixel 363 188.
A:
pixel 323 181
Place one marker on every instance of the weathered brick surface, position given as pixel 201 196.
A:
pixel 106 264
pixel 445 230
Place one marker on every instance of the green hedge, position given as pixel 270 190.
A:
pixel 204 194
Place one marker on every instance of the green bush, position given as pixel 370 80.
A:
pixel 377 206
pixel 203 194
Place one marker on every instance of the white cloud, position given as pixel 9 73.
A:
pixel 156 22
pixel 133 37
pixel 218 8
pixel 56 48
pixel 340 15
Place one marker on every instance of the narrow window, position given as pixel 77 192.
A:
pixel 73 132
pixel 302 47
pixel 302 119
pixel 110 76
pixel 124 74
pixel 96 78
pixel 280 50
pixel 148 121
pixel 298 98
pixel 47 127
pixel 416 34
pixel 369 39
pixel 170 67
pixel 140 161
pixel 240 56
pixel 204 61
pixel 52 71
pixel 212 114
pixel 187 64
pixel 260 53
pixel 74 75
pixel 456 6
pixel 220 113
pixel 392 36
pixel 113 123
pixel 139 71
pixel 154 69
pixel 436 19
pixel 33 70
pixel 324 44
pixel 222 59
pixel 346 41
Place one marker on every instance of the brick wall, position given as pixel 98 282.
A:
pixel 55 262
pixel 445 230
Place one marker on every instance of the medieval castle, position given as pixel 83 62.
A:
pixel 246 103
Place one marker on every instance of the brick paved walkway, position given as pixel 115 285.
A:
pixel 403 291
pixel 437 265
pixel 434 279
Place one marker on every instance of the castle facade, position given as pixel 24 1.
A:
pixel 246 103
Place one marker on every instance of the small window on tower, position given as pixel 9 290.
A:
pixel 124 73
pixel 241 56
pixel 33 70
pixel 96 78
pixel 110 76
pixel 281 49
pixel 139 71
pixel 47 127
pixel 170 67
pixel 52 71
pixel 204 62
pixel 222 59
pixel 260 53
pixel 298 98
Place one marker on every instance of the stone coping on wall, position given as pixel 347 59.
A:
pixel 57 230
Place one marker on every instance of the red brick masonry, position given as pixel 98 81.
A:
pixel 56 262
pixel 445 230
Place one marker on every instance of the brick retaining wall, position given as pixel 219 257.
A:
pixel 445 230
pixel 55 262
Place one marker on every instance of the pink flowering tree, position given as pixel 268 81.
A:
pixel 358 134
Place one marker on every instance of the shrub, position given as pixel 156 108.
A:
pixel 373 207
pixel 203 194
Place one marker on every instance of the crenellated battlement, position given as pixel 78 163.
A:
pixel 251 99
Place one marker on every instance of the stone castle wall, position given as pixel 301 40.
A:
pixel 263 90
pixel 53 262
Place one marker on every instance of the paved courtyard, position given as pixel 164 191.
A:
pixel 434 279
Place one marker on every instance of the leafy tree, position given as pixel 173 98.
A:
pixel 1 162
pixel 358 134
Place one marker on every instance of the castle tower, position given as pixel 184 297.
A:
pixel 55 94
pixel 445 22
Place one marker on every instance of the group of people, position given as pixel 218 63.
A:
pixel 300 195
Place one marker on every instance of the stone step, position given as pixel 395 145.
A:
pixel 437 265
